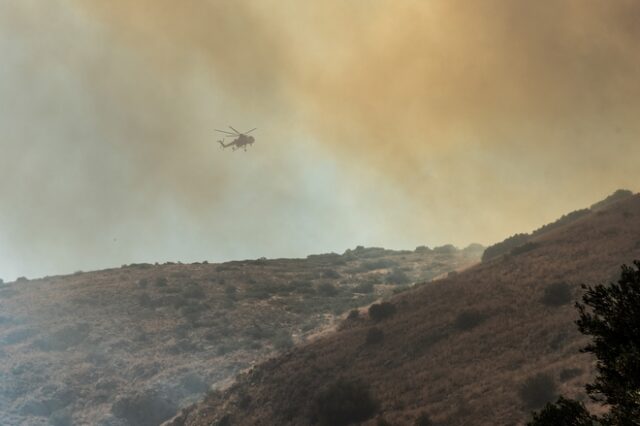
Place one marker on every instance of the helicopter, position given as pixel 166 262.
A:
pixel 241 139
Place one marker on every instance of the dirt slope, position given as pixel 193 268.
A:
pixel 130 346
pixel 460 349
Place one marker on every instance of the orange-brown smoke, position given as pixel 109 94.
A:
pixel 433 121
pixel 484 105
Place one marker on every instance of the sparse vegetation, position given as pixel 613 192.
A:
pixel 344 402
pixel 157 323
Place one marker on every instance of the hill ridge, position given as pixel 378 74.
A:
pixel 461 349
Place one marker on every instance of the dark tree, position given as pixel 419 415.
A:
pixel 610 315
pixel 565 412
pixel 557 294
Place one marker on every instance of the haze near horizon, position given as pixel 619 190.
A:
pixel 380 123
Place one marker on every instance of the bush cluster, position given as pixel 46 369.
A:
pixel 380 311
pixel 374 336
pixel 344 402
pixel 557 294
pixel 537 390
pixel 467 320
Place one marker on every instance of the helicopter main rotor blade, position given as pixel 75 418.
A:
pixel 224 131
pixel 237 132
pixel 246 133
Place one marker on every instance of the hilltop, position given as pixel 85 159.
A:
pixel 131 345
pixel 481 347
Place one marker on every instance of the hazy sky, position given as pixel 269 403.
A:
pixel 390 123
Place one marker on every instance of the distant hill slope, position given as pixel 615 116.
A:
pixel 129 346
pixel 515 241
pixel 482 347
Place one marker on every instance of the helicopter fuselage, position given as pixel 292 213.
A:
pixel 242 140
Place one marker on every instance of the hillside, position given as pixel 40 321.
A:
pixel 482 347
pixel 130 346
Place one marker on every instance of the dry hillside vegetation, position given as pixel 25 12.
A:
pixel 481 347
pixel 130 346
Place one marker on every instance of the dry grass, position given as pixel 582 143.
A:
pixel 426 364
pixel 146 336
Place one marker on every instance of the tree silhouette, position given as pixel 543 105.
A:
pixel 610 315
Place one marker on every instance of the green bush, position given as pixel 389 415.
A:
pixel 564 412
pixel 374 336
pixel 373 265
pixel 344 402
pixel 423 420
pixel 468 319
pixel 445 249
pixel 397 276
pixel 569 373
pixel 526 247
pixel 364 288
pixel 230 292
pixel 148 409
pixel 303 287
pixel 537 390
pixel 327 289
pixel 193 291
pixel 61 417
pixel 282 340
pixel 557 294
pixel 331 274
pixel 380 311
pixel 505 246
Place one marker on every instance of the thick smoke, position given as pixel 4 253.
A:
pixel 380 122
